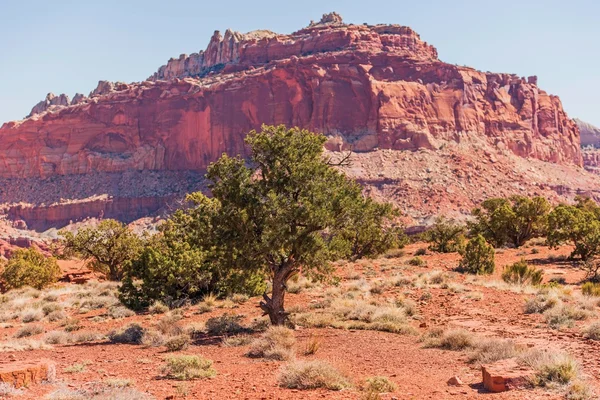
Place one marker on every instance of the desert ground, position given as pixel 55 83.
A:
pixel 437 324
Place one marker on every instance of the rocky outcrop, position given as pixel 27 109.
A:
pixel 505 375
pixel 376 89
pixel 366 87
pixel 27 373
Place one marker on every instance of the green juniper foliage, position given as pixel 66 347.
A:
pixel 478 257
pixel 510 221
pixel 29 267
pixel 445 236
pixel 284 210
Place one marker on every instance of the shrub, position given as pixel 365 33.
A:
pixel 521 274
pixel 169 325
pixel 106 248
pixel 31 316
pixel 311 375
pixel 380 384
pixel 417 262
pixel 458 339
pixel 490 350
pixel 29 267
pixel 177 343
pixel 557 368
pixel 29 330
pixel 564 315
pixel 187 367
pixel 50 308
pixel 421 252
pixel 158 307
pixel 153 338
pixel 578 224
pixel 276 343
pixel 478 257
pixel 593 331
pixel 312 346
pixel 118 312
pixel 226 324
pixel 57 337
pixel 237 340
pixel 132 334
pixel 541 302
pixel 591 289
pixel 510 221
pixel 445 236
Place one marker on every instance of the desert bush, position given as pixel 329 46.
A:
pixel 510 221
pixel 564 316
pixel 445 236
pixel 57 337
pixel 187 367
pixel 50 308
pixel 29 267
pixel 86 337
pixel 226 324
pixel 591 289
pixel 237 340
pixel 380 384
pixel 521 274
pixel 178 343
pixel 311 375
pixel 417 262
pixel 170 325
pixel 71 325
pixel 541 302
pixel 153 338
pixel 312 345
pixel 31 315
pixel 276 343
pixel 593 331
pixel 29 330
pixel 106 247
pixel 551 367
pixel 490 350
pixel 458 339
pixel 118 312
pixel 131 334
pixel 158 307
pixel 477 257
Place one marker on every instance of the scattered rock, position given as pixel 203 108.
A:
pixel 454 381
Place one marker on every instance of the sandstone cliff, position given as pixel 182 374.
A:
pixel 367 87
pixel 590 143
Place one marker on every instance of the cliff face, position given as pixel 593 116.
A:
pixel 590 143
pixel 367 88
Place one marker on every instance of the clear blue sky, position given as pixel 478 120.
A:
pixel 66 46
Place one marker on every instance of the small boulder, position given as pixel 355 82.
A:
pixel 505 375
pixel 455 381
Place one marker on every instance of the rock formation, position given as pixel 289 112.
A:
pixel 590 143
pixel 367 87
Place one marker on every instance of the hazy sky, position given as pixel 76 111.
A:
pixel 65 46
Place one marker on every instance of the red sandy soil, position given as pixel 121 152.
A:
pixel 420 373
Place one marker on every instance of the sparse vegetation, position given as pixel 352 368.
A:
pixel 131 334
pixel 178 343
pixel 186 367
pixel 29 330
pixel 276 343
pixel 380 384
pixel 311 375
pixel 226 324
pixel 591 289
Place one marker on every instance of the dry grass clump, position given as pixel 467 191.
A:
pixel 119 312
pixel 29 330
pixel 379 384
pixel 312 345
pixel 591 289
pixel 99 391
pixel 30 315
pixel 276 343
pixel 153 338
pixel 226 324
pixel 541 302
pixel 457 339
pixel 564 316
pixel 57 337
pixel 236 340
pixel 86 337
pixel 552 368
pixel 593 331
pixel 491 350
pixel 56 316
pixel 170 325
pixel 311 375
pixel 8 390
pixel 178 343
pixel 186 367
pixel 158 307
pixel 131 334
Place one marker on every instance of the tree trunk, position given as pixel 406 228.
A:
pixel 273 306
